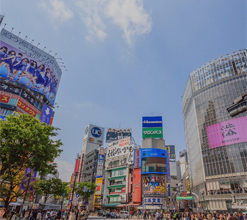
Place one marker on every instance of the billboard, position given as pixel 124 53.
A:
pixel 114 134
pixel 94 134
pixel 28 180
pixel 154 184
pixel 121 148
pixel 152 122
pixel 171 150
pixel 227 132
pixel 152 133
pixel 137 194
pixel 26 64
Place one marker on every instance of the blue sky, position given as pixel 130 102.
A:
pixel 125 58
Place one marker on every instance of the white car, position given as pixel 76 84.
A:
pixel 124 214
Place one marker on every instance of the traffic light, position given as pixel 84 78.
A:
pixel 31 198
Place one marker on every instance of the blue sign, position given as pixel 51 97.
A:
pixel 46 114
pixel 152 122
pixel 169 190
pixel 96 132
pixel 77 195
pixel 3 118
pixel 153 152
pixel 101 157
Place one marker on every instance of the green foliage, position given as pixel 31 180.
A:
pixel 25 143
pixel 90 189
pixel 53 186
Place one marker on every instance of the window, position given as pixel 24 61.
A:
pixel 12 101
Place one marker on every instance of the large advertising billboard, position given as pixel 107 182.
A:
pixel 137 193
pixel 227 132
pixel 94 134
pixel 26 64
pixel 114 134
pixel 121 148
pixel 154 184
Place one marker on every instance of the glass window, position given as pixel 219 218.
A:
pixel 12 101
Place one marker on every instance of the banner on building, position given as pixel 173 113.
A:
pixel 153 201
pixel 227 132
pixel 114 134
pixel 137 158
pixel 98 183
pixel 26 64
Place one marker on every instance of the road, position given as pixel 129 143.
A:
pixel 99 218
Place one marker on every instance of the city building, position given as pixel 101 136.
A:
pixel 118 173
pixel 216 142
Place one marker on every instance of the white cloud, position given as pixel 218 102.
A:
pixel 91 16
pixel 65 169
pixel 129 15
pixel 57 10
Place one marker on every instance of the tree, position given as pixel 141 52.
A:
pixel 25 143
pixel 53 186
pixel 85 189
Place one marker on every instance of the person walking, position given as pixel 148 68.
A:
pixel 157 215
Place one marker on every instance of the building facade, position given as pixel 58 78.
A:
pixel 216 142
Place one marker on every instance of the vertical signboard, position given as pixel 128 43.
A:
pixel 77 165
pixel 46 114
pixel 137 158
pixel 100 162
pixel 168 167
pixel 171 150
pixel 137 188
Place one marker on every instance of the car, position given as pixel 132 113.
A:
pixel 114 215
pixel 101 213
pixel 124 214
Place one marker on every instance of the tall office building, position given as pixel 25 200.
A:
pixel 216 142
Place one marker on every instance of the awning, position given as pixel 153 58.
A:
pixel 113 195
pixel 110 205
pixel 116 186
pixel 116 177
pixel 14 204
pixel 133 204
pixel 122 205
pixel 149 207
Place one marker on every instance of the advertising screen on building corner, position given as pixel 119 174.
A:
pixel 227 132
pixel 26 64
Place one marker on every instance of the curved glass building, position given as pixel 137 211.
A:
pixel 216 142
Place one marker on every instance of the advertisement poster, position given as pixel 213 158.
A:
pixel 77 165
pixel 153 184
pixel 26 64
pixel 114 134
pixel 98 186
pixel 227 132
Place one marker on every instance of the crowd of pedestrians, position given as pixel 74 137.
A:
pixel 38 214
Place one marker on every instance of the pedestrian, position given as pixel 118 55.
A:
pixel 145 216
pixel 72 215
pixel 157 215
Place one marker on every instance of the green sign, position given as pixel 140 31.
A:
pixel 152 133
pixel 185 198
